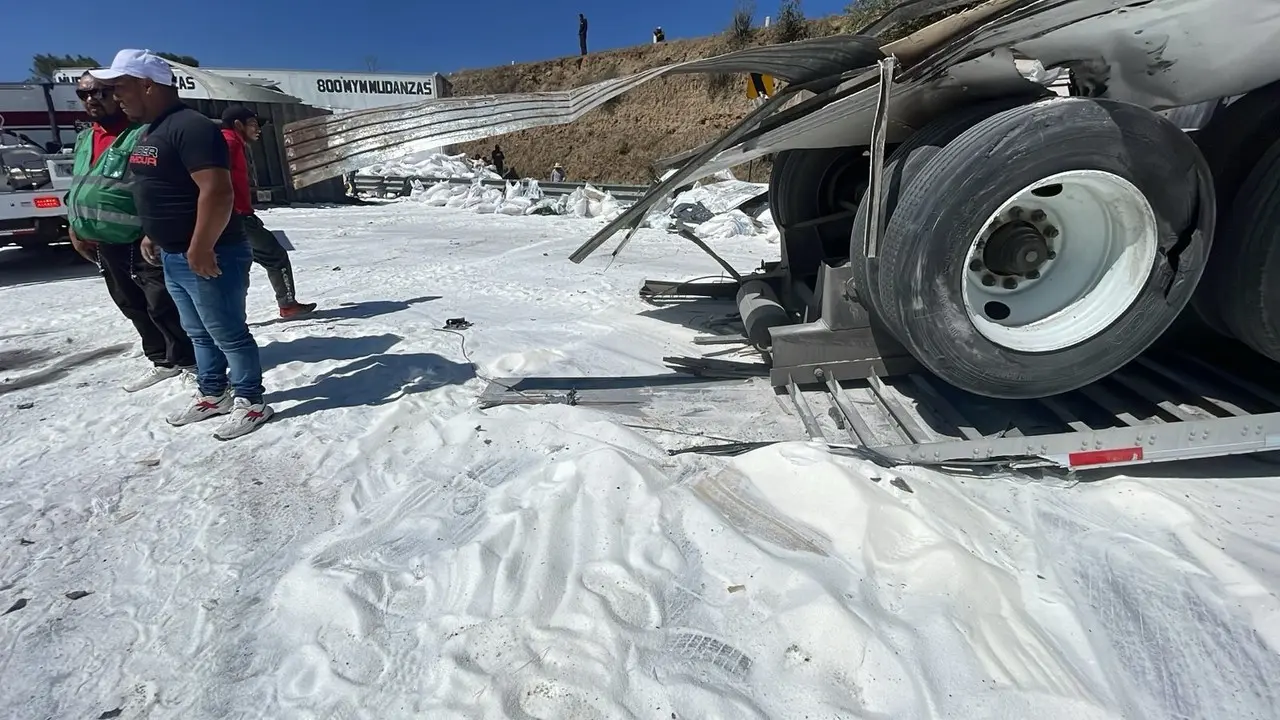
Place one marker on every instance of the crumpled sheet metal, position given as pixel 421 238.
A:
pixel 970 56
pixel 1048 29
pixel 325 147
pixel 220 87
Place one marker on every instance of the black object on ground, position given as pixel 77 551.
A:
pixel 692 213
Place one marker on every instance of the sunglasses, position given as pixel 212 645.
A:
pixel 100 93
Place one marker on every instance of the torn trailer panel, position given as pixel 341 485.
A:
pixel 1150 53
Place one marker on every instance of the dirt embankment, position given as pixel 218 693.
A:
pixel 620 141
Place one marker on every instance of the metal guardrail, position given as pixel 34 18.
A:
pixel 400 186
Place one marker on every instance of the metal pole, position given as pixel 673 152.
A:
pixel 880 128
pixel 53 116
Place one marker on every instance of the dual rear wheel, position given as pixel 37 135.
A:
pixel 1031 248
pixel 1239 295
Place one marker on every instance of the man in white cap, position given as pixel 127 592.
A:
pixel 181 181
pixel 105 229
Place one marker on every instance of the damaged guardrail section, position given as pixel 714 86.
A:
pixel 402 185
pixel 321 148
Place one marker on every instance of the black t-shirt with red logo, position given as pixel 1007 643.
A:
pixel 174 145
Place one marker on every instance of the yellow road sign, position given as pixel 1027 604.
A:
pixel 759 86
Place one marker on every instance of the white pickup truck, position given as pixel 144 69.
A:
pixel 33 189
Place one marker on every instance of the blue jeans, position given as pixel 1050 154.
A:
pixel 213 314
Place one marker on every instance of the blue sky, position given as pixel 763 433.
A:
pixel 405 36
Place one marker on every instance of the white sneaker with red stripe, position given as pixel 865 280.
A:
pixel 202 407
pixel 245 418
pixel 155 375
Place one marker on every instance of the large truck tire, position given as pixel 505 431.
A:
pixel 1232 138
pixel 1246 272
pixel 1231 142
pixel 806 185
pixel 900 168
pixel 1047 246
pixel 809 184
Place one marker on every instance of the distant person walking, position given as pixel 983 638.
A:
pixel 499 158
pixel 582 33
pixel 181 182
pixel 240 126
pixel 658 35
pixel 106 230
pixel 557 173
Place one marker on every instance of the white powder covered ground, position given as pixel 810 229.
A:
pixel 384 549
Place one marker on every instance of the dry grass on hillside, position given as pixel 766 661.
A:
pixel 620 141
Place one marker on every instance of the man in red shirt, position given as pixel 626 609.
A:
pixel 136 286
pixel 239 126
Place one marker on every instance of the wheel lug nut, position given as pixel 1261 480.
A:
pixel 1033 274
pixel 1051 232
pixel 1010 283
pixel 988 280
pixel 975 264
pixel 1015 212
pixel 1051 255
pixel 1037 216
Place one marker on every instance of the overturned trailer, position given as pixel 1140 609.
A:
pixel 940 208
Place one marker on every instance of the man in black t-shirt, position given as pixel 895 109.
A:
pixel 182 185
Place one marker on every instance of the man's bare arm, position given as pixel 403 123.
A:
pixel 213 209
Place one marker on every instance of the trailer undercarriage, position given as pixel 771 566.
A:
pixel 1172 403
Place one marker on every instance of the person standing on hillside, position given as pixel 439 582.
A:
pixel 181 181
pixel 582 33
pixel 499 158
pixel 106 230
pixel 240 126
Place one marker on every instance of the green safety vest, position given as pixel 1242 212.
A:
pixel 100 205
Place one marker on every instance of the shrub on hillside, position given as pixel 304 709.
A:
pixel 741 28
pixel 791 23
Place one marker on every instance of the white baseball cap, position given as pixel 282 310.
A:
pixel 138 64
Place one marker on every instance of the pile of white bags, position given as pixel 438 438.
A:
pixel 720 198
pixel 430 163
pixel 518 198
pixel 590 202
